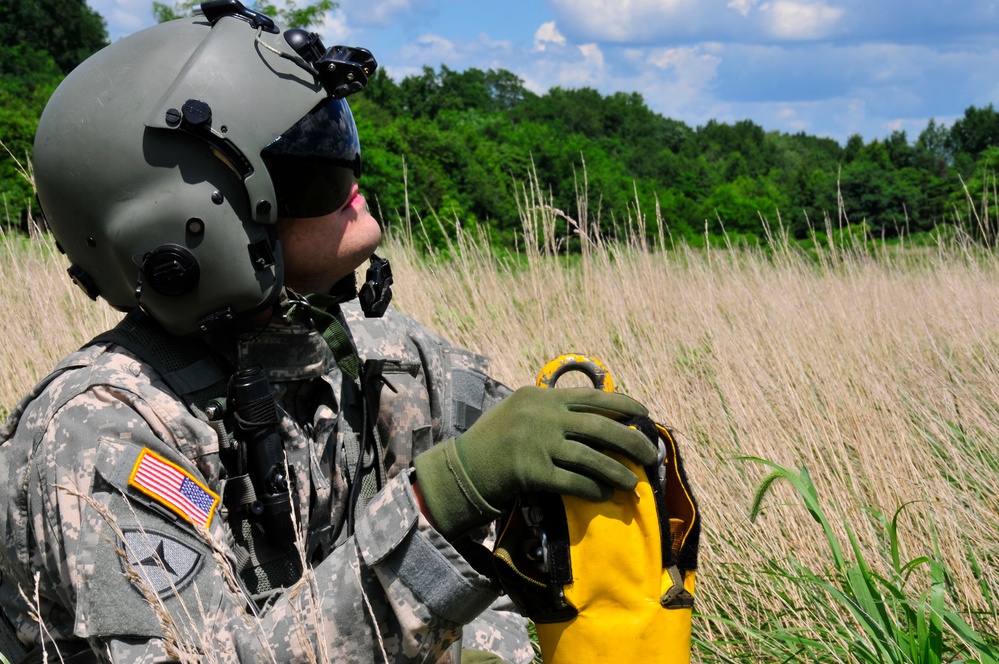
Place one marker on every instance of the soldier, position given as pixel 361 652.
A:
pixel 253 466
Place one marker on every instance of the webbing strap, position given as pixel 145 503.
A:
pixel 239 492
pixel 332 330
pixel 186 365
pixel 10 645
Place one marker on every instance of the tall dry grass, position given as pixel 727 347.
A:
pixel 876 369
pixel 43 316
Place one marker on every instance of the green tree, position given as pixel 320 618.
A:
pixel 430 93
pixel 27 79
pixel 900 153
pixel 735 207
pixel 976 131
pixel 40 41
pixel 890 200
pixel 806 172
pixel 468 138
pixel 720 144
pixel 932 152
pixel 68 30
pixel 854 145
pixel 980 194
pixel 290 13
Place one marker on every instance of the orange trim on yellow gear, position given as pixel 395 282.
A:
pixel 591 366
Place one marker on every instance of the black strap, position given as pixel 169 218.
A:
pixel 10 645
pixel 186 364
pixel 367 474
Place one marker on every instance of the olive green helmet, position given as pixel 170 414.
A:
pixel 163 161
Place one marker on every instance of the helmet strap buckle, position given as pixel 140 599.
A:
pixel 376 293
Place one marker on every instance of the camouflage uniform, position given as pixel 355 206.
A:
pixel 113 566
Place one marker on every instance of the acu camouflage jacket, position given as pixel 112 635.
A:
pixel 100 559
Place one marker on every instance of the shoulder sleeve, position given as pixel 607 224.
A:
pixel 396 592
pixel 431 389
pixel 128 572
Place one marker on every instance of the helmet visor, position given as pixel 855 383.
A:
pixel 314 164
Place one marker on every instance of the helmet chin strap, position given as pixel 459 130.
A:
pixel 322 313
pixel 374 295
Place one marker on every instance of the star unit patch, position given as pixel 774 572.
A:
pixel 161 563
pixel 172 486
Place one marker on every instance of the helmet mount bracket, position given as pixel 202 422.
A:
pixel 342 70
pixel 84 281
pixel 216 9
pixel 170 270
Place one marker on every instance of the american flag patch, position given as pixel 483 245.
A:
pixel 169 484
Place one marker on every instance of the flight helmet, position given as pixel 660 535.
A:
pixel 163 162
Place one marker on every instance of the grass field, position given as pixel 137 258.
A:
pixel 875 368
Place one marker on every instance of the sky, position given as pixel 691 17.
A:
pixel 829 68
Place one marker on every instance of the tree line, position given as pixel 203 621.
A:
pixel 467 141
pixel 40 42
pixel 470 138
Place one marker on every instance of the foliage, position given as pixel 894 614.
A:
pixel 40 41
pixel 468 137
pixel 290 13
pixel 858 611
pixel 68 30
pixel 976 131
pixel 460 145
pixel 27 79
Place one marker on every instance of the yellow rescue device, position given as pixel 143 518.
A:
pixel 609 582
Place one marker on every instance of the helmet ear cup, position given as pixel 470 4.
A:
pixel 170 270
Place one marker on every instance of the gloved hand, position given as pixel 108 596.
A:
pixel 538 439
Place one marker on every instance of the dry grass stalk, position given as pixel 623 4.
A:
pixel 879 370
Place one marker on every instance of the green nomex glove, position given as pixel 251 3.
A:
pixel 480 657
pixel 538 439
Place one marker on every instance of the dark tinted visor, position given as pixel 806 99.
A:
pixel 314 163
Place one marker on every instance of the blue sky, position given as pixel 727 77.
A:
pixel 826 67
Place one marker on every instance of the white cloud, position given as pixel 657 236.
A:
pixel 661 22
pixel 380 13
pixel 742 6
pixel 124 16
pixel 789 119
pixel 619 20
pixel 431 50
pixel 677 81
pixel 895 125
pixel 800 20
pixel 581 66
pixel 500 49
pixel 592 53
pixel 685 59
pixel 547 34
pixel 335 28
